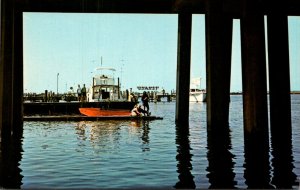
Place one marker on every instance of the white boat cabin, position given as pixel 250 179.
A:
pixel 104 87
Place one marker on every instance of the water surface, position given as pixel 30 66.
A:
pixel 146 154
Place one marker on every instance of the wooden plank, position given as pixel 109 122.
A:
pixel 86 118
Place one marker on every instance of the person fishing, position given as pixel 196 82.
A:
pixel 138 111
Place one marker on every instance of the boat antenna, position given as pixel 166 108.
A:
pixel 101 61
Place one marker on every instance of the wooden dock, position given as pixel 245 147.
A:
pixel 86 118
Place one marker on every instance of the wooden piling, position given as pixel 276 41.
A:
pixel 6 72
pixel 255 95
pixel 218 63
pixel 183 67
pixel 279 77
pixel 254 69
pixel 17 72
pixel 280 100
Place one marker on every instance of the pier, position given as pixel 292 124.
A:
pixel 219 15
pixel 85 118
pixel 158 96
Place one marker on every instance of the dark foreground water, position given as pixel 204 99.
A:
pixel 126 154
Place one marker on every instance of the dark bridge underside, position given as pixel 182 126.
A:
pixel 232 7
pixel 218 31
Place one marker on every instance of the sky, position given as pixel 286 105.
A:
pixel 141 47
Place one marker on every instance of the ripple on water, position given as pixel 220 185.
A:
pixel 125 154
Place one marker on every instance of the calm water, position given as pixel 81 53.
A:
pixel 153 154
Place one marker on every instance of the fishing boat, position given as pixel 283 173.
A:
pixel 197 94
pixel 106 93
pixel 98 112
pixel 104 87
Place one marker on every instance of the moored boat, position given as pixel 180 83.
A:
pixel 196 94
pixel 104 87
pixel 105 90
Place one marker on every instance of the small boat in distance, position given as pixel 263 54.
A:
pixel 97 112
pixel 197 94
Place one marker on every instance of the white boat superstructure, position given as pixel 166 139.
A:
pixel 197 94
pixel 104 87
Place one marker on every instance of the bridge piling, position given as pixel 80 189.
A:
pixel 218 63
pixel 279 77
pixel 280 100
pixel 183 67
pixel 256 138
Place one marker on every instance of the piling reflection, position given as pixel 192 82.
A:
pixel 220 159
pixel 10 156
pixel 145 135
pixel 282 162
pixel 257 166
pixel 184 157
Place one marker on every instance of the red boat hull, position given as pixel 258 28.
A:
pixel 96 112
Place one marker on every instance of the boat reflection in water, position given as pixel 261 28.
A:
pixel 107 135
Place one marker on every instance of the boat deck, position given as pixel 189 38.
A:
pixel 86 118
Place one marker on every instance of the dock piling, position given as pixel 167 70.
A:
pixel 256 137
pixel 218 63
pixel 279 77
pixel 183 66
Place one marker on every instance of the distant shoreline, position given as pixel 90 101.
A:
pixel 240 93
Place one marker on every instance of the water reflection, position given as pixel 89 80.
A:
pixel 10 156
pixel 184 157
pixel 105 135
pixel 282 162
pixel 220 159
pixel 257 166
pixel 145 135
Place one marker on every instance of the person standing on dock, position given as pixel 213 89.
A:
pixel 83 93
pixel 145 100
pixel 79 93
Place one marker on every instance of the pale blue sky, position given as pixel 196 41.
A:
pixel 142 47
